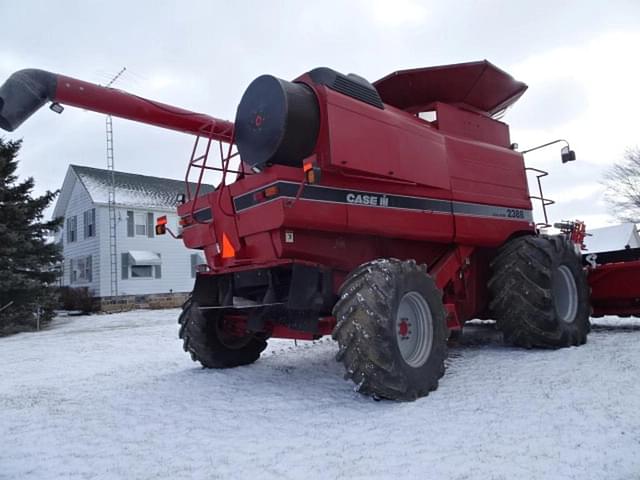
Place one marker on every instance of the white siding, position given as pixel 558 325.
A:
pixel 176 258
pixel 102 219
pixel 79 202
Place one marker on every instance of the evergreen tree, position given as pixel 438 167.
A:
pixel 28 260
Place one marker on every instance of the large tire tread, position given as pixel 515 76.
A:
pixel 522 297
pixel 362 314
pixel 200 340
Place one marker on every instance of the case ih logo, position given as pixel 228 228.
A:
pixel 375 200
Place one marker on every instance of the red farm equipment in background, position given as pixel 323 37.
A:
pixel 384 214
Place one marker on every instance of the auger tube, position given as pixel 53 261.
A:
pixel 27 90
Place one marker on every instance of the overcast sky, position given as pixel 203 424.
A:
pixel 580 60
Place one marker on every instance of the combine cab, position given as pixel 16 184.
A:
pixel 386 215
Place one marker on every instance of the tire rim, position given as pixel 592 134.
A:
pixel 565 294
pixel 414 329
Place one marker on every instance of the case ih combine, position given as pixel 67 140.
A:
pixel 354 214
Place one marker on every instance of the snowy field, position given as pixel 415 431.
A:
pixel 114 396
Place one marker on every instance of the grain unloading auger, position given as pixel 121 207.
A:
pixel 28 90
pixel 384 214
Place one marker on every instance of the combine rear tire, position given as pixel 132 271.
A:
pixel 391 330
pixel 540 294
pixel 205 338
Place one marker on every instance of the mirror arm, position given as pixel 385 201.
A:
pixel 546 145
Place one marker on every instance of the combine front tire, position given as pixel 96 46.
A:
pixel 540 294
pixel 391 330
pixel 205 337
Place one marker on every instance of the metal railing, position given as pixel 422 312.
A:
pixel 545 202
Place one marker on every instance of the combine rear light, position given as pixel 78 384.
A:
pixel 311 173
pixel 161 225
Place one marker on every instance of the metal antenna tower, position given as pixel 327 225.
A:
pixel 113 252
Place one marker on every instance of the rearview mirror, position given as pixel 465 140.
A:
pixel 567 155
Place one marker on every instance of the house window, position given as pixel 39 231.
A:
pixel 141 264
pixel 72 229
pixel 139 224
pixel 141 271
pixel 81 270
pixel 90 223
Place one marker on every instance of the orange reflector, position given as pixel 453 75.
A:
pixel 227 249
pixel 307 166
pixel 271 191
pixel 161 220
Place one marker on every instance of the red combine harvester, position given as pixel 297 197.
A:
pixel 384 214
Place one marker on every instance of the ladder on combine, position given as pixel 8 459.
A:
pixel 206 138
pixel 545 202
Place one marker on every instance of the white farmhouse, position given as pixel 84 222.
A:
pixel 144 264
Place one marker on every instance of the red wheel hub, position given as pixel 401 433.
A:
pixel 403 327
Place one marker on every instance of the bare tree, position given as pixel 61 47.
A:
pixel 622 183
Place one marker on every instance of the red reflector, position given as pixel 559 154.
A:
pixel 161 220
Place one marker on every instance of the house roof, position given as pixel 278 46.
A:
pixel 132 189
pixel 615 237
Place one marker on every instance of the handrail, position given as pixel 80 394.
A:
pixel 545 202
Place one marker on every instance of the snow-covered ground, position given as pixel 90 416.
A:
pixel 114 396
